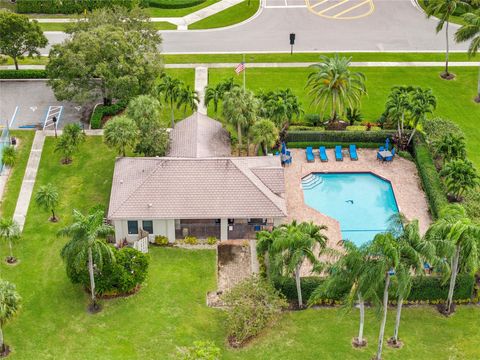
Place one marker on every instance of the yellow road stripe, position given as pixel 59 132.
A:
pixel 333 6
pixel 350 9
pixel 320 3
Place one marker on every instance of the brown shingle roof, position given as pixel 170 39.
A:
pixel 199 136
pixel 210 188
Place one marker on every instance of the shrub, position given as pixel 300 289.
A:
pixel 174 4
pixel 23 74
pixel 120 277
pixel 252 305
pixel 9 156
pixel 190 240
pixel 431 182
pixel 211 240
pixel 161 240
pixel 305 128
pixel 362 128
pixel 315 144
pixel 437 128
pixel 201 350
pixel 102 110
pixel 70 6
pixel 433 288
pixel 471 203
pixel 287 287
pixel 339 136
pixel 313 119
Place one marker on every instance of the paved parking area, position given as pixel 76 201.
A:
pixel 341 9
pixel 282 4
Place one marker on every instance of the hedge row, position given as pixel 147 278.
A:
pixel 23 74
pixel 174 4
pixel 424 288
pixel 432 185
pixel 340 136
pixel 71 6
pixel 316 145
pixel 101 111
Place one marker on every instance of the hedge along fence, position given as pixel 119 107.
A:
pixel 432 184
pixel 330 145
pixel 174 4
pixel 102 110
pixel 72 6
pixel 424 289
pixel 340 136
pixel 23 74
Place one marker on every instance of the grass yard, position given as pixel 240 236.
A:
pixel 455 98
pixel 160 25
pixel 9 200
pixel 158 12
pixel 230 16
pixel 170 309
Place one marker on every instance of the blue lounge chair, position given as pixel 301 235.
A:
pixel 309 154
pixel 353 152
pixel 322 152
pixel 338 153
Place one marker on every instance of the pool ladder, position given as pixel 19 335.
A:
pixel 310 182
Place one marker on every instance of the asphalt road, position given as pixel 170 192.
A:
pixel 394 25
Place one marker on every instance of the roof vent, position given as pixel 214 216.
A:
pixel 150 205
pixel 121 181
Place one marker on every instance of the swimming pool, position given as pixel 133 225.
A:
pixel 361 202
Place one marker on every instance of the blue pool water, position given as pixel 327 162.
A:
pixel 362 202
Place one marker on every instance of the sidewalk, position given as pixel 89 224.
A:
pixel 181 22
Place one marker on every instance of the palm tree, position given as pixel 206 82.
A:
pixel 264 247
pixel 397 106
pixel 9 156
pixel 384 261
pixel 460 175
pixel 10 303
pixel 264 133
pixel 280 107
pixel 121 133
pixel 216 93
pixel 455 237
pixel 65 146
pixel 423 102
pixel 47 198
pixel 471 31
pixel 450 147
pixel 170 89
pixel 334 85
pixel 240 109
pixel 187 97
pixel 87 247
pixel 75 133
pixel 294 244
pixel 9 232
pixel 71 138
pixel 348 273
pixel 443 9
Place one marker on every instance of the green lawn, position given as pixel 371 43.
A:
pixel 188 77
pixel 157 12
pixel 455 98
pixel 9 200
pixel 170 310
pixel 230 16
pixel 160 25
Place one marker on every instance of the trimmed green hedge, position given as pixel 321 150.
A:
pixel 174 4
pixel 101 111
pixel 71 6
pixel 330 145
pixel 340 136
pixel 432 185
pixel 23 74
pixel 424 288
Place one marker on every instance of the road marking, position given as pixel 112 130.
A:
pixel 340 10
pixel 350 9
pixel 320 3
pixel 332 7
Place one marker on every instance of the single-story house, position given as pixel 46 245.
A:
pixel 196 193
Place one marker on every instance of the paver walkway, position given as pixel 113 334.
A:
pixel 30 176
pixel 201 81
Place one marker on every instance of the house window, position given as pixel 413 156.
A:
pixel 147 225
pixel 132 227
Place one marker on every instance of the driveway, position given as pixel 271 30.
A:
pixel 328 25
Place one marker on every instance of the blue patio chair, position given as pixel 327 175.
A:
pixel 322 152
pixel 338 153
pixel 309 154
pixel 379 157
pixel 390 158
pixel 381 148
pixel 353 152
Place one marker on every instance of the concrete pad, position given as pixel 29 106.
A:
pixel 201 81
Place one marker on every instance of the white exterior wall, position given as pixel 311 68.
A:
pixel 160 227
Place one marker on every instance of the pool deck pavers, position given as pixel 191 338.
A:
pixel 402 174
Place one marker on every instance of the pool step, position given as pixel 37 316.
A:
pixel 310 182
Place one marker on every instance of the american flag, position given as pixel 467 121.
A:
pixel 240 67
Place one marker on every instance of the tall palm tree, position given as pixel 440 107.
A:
pixel 188 98
pixel 384 261
pixel 121 133
pixel 443 9
pixel 216 93
pixel 9 232
pixel 240 109
pixel 460 175
pixel 170 88
pixel 10 304
pixel 450 147
pixel 332 85
pixel 398 105
pixel 423 102
pixel 471 31
pixel 455 237
pixel 264 133
pixel 47 198
pixel 281 106
pixel 86 246
pixel 296 243
pixel 348 274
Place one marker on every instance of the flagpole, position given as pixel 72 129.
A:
pixel 244 73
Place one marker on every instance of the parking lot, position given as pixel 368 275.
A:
pixel 285 4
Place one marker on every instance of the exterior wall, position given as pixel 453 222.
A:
pixel 160 227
